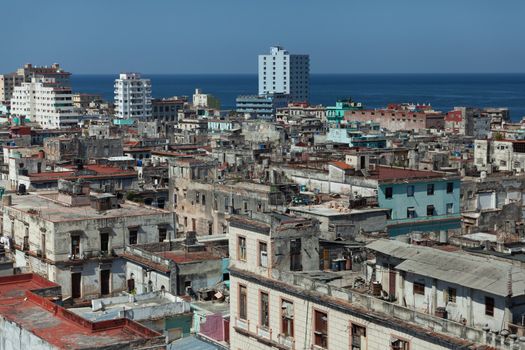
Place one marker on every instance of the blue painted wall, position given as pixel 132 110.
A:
pixel 400 202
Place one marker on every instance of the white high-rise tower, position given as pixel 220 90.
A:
pixel 132 96
pixel 282 72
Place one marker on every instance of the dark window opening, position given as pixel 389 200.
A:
pixel 75 245
pixel 104 242
pixel 389 191
pixel 163 234
pixel 419 288
pixel 295 255
pixel 105 282
pixel 489 306
pixel 76 279
pixel 133 236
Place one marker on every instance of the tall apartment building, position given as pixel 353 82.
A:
pixel 282 72
pixel 9 81
pixel 45 101
pixel 132 96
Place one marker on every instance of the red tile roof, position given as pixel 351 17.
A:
pixel 341 165
pixel 388 173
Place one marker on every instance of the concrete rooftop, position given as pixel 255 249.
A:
pixel 49 209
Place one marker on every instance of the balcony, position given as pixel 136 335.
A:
pixel 286 341
pixel 424 219
pixel 243 324
pixel 264 332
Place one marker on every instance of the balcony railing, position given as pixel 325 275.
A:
pixel 423 219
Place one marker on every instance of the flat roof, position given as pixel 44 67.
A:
pixel 384 173
pixel 183 257
pixel 58 326
pixel 100 171
pixel 326 211
pixel 46 207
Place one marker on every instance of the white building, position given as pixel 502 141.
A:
pixel 502 155
pixel 205 100
pixel 9 81
pixel 132 96
pixel 280 300
pixel 477 291
pixel 46 102
pixel 281 72
pixel 74 237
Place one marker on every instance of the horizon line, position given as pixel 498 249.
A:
pixel 322 73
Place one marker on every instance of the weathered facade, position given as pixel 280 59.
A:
pixel 74 239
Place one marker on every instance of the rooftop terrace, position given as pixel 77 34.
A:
pixel 51 210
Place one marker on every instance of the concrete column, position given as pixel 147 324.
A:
pixel 507 317
pixel 434 297
pixel 470 318
pixel 401 288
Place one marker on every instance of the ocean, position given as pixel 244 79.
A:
pixel 442 91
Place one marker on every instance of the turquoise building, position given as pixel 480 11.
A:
pixel 335 114
pixel 420 201
pixel 357 134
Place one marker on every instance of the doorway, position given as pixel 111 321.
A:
pixel 76 279
pixel 104 282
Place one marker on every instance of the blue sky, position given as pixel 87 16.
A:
pixel 225 36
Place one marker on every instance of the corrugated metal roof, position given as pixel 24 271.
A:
pixel 475 272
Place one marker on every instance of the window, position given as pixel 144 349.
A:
pixel 104 242
pixel 358 337
pixel 419 288
pixel 241 249
pixel 489 306
pixel 450 187
pixel 287 314
pixel 263 254
pixel 411 212
pixel 133 236
pixel 388 192
pixel 265 310
pixel 430 189
pixel 430 210
pixel 243 303
pixel 295 255
pixel 163 233
pixel 399 344
pixel 410 191
pixel 451 294
pixel 75 245
pixel 450 208
pixel 321 329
